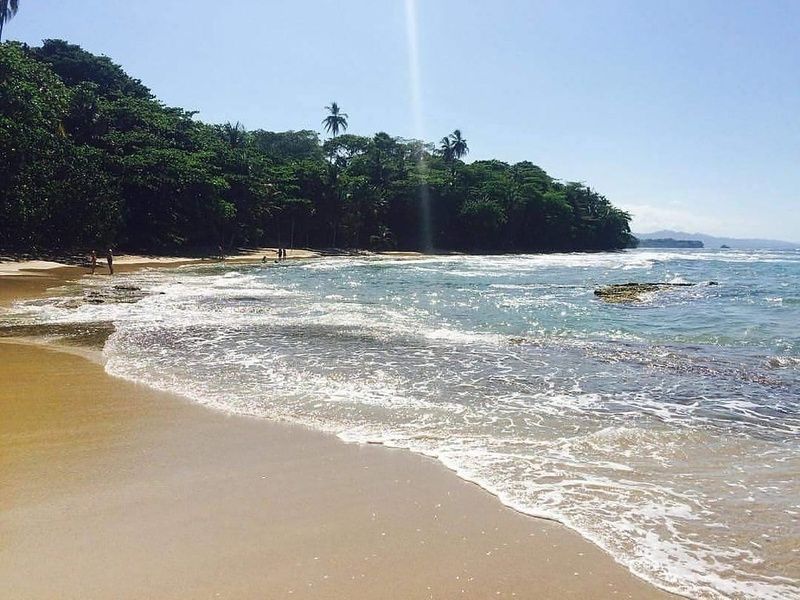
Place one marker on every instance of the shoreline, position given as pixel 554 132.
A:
pixel 22 279
pixel 446 534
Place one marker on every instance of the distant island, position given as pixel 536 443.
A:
pixel 710 241
pixel 667 243
pixel 91 159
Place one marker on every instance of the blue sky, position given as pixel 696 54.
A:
pixel 686 113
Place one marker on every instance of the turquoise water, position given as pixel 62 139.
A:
pixel 667 432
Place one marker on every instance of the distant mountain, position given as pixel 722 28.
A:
pixel 668 243
pixel 710 241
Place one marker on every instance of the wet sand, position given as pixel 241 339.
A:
pixel 113 490
pixel 28 284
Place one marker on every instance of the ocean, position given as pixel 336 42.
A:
pixel 665 431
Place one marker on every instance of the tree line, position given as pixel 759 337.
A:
pixel 89 157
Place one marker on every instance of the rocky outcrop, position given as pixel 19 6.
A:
pixel 119 294
pixel 633 292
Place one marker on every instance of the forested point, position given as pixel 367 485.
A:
pixel 90 158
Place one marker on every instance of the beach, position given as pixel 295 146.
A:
pixel 114 490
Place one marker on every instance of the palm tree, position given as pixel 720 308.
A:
pixel 446 149
pixel 233 135
pixel 453 146
pixel 8 8
pixel 336 120
pixel 459 144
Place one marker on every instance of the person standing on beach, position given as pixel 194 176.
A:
pixel 110 259
pixel 93 261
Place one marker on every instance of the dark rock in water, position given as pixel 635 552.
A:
pixel 70 303
pixel 633 292
pixel 118 294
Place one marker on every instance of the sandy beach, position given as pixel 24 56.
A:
pixel 113 490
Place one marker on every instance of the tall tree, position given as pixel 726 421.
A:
pixel 233 135
pixel 336 120
pixel 458 144
pixel 8 8
pixel 446 149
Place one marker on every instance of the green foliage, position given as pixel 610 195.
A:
pixel 43 183
pixel 88 158
pixel 74 65
pixel 288 145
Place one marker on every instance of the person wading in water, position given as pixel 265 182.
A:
pixel 110 259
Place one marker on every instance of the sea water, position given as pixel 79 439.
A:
pixel 665 431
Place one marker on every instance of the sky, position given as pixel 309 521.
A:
pixel 685 113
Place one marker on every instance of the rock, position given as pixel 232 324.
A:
pixel 118 294
pixel 633 292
